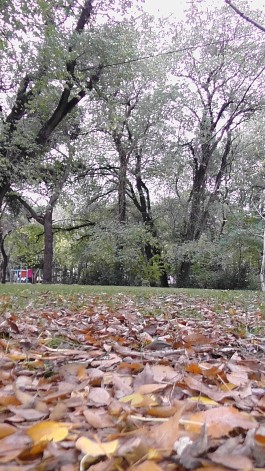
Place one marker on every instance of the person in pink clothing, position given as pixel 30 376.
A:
pixel 30 275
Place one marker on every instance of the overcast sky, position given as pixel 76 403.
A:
pixel 165 7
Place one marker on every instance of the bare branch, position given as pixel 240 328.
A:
pixel 245 17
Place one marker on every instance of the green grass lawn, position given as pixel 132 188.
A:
pixel 21 294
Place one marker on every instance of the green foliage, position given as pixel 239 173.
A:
pixel 166 108
pixel 25 246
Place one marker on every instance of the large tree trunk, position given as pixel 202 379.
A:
pixel 201 200
pixel 143 204
pixel 48 247
pixel 122 191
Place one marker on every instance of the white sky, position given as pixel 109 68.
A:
pixel 166 7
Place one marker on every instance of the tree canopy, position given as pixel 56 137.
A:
pixel 131 147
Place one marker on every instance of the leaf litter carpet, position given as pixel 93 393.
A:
pixel 111 384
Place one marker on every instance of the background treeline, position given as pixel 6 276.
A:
pixel 132 148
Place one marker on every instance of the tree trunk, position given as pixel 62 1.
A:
pixel 122 191
pixel 262 269
pixel 184 273
pixel 5 259
pixel 201 200
pixel 48 247
pixel 143 204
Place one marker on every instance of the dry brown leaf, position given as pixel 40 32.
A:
pixel 194 368
pixel 135 449
pixel 217 396
pixel 12 446
pixel 28 414
pixel 161 373
pixel 99 396
pixel 190 451
pixel 162 412
pixel 26 399
pixel 58 412
pixel 167 433
pixel 133 367
pixel 220 421
pixel 197 339
pixel 122 384
pixel 145 377
pixel 239 378
pixel 97 419
pixel 8 400
pixel 150 388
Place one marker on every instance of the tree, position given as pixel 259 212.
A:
pixel 59 65
pixel 54 180
pixel 221 90
pixel 245 17
pixel 129 115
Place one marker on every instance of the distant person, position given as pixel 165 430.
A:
pixel 30 275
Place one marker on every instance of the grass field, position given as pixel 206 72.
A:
pixel 20 295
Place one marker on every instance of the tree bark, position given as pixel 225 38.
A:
pixel 122 185
pixel 143 204
pixel 262 269
pixel 48 247
pixel 200 199
pixel 4 263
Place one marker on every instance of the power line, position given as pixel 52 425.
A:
pixel 159 54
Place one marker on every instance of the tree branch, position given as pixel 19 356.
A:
pixel 245 17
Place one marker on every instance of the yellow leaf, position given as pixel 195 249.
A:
pixel 6 429
pixel 232 312
pixel 203 400
pixel 135 398
pixel 16 356
pixel 146 466
pixel 34 451
pixel 154 454
pixel 91 448
pixel 138 400
pixel 227 387
pixel 48 431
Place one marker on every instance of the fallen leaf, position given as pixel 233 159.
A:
pixel 94 449
pixel 98 419
pixel 203 400
pixel 99 396
pixel 12 445
pixel 162 412
pixel 167 433
pixel 219 420
pixel 6 429
pixel 47 431
pixel 28 414
pixel 139 400
pixel 146 466
pixel 150 388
